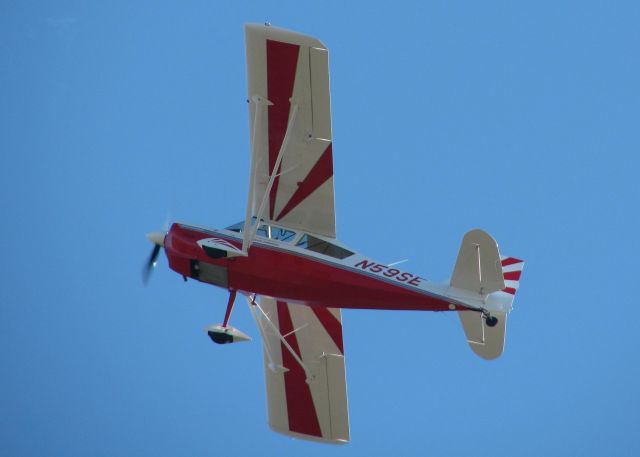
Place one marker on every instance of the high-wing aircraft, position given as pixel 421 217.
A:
pixel 285 259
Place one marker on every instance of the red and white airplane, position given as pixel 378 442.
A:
pixel 285 258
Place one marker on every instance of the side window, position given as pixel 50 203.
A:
pixel 323 247
pixel 263 231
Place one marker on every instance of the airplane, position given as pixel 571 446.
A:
pixel 285 259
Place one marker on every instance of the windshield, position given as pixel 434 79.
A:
pixel 266 231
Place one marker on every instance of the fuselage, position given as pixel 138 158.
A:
pixel 298 267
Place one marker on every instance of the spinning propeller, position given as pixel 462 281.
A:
pixel 157 238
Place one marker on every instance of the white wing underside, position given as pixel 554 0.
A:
pixel 288 89
pixel 305 373
pixel 291 184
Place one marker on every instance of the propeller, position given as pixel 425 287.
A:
pixel 157 238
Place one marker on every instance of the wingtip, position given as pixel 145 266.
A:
pixel 314 438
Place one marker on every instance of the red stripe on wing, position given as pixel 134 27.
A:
pixel 331 324
pixel 282 60
pixel 509 290
pixel 319 174
pixel 300 408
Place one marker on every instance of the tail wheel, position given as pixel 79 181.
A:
pixel 491 321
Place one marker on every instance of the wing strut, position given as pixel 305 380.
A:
pixel 258 318
pixel 260 104
pixel 263 333
pixel 249 231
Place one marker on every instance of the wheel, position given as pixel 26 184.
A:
pixel 491 321
pixel 220 337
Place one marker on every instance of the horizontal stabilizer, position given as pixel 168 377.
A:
pixel 485 341
pixel 481 270
pixel 478 268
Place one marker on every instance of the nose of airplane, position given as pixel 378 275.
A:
pixel 156 238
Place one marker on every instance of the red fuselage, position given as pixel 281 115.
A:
pixel 275 271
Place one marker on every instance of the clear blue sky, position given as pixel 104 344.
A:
pixel 522 119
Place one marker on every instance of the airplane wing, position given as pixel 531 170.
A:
pixel 290 117
pixel 305 373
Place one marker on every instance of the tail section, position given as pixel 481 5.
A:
pixel 478 265
pixel 511 272
pixel 490 282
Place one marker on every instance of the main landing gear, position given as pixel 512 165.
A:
pixel 224 333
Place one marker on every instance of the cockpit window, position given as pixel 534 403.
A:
pixel 323 247
pixel 275 233
pixel 266 231
pixel 237 227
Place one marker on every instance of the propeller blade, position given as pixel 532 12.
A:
pixel 151 263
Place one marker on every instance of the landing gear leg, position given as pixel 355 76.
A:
pixel 227 314
pixel 224 333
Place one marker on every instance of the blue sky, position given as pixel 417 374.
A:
pixel 521 119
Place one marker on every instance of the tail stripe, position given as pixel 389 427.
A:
pixel 512 275
pixel 506 261
pixel 511 271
